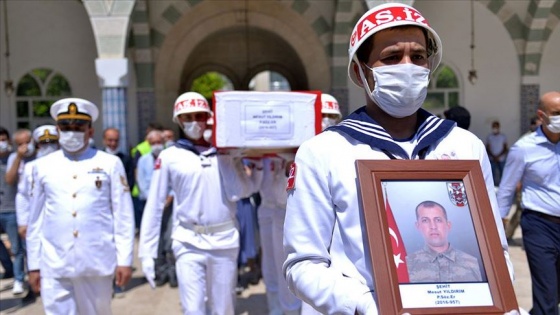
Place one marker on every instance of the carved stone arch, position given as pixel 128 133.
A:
pixel 187 81
pixel 296 83
pixel 210 17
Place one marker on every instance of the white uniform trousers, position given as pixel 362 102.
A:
pixel 271 228
pixel 80 295
pixel 206 275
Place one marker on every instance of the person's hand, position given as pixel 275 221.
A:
pixel 22 150
pixel 148 268
pixel 34 278
pixel 512 312
pixel 123 275
pixel 22 231
pixel 168 201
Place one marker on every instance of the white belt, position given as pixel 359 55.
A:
pixel 209 229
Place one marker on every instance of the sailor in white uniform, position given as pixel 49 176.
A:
pixel 46 137
pixel 81 223
pixel 328 264
pixel 205 236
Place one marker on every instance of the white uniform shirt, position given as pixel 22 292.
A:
pixel 205 189
pixel 23 194
pixel 273 186
pixel 327 265
pixel 81 219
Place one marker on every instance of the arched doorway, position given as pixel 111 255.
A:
pixel 242 53
pixel 239 40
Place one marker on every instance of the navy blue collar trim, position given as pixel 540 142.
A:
pixel 187 145
pixel 360 126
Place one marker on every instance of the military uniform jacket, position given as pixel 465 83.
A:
pixel 205 188
pixel 328 265
pixel 86 227
pixel 23 194
pixel 453 265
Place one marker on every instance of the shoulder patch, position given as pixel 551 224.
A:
pixel 291 177
pixel 157 164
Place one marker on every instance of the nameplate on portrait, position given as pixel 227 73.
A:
pixel 423 295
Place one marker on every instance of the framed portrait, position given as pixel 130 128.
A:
pixel 433 240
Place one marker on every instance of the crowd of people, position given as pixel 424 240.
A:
pixel 203 218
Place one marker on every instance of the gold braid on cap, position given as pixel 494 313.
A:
pixel 47 137
pixel 73 113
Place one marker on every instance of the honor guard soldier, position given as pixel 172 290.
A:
pixel 81 223
pixel 330 111
pixel 392 53
pixel 206 187
pixel 46 138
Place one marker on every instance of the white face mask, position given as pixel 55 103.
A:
pixel 111 151
pixel 327 122
pixel 554 125
pixel 5 146
pixel 156 149
pixel 400 90
pixel 193 129
pixel 45 149
pixel 72 141
pixel 169 143
pixel 30 148
pixel 207 135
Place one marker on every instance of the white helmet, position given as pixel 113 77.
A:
pixel 190 102
pixel 329 105
pixel 386 16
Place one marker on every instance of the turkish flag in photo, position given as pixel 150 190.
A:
pixel 399 252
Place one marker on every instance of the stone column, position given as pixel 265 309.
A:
pixel 529 102
pixel 113 74
pixel 110 20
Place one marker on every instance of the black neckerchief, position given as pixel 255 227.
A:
pixel 360 126
pixel 188 145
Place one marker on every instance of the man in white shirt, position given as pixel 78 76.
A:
pixel 497 147
pixel 534 161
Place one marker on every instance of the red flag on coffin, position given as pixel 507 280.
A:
pixel 399 252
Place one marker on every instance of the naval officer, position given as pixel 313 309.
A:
pixel 81 225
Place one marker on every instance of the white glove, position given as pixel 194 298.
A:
pixel 148 268
pixel 366 305
pixel 512 312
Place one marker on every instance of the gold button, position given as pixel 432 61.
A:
pixel 74 214
pixel 75 176
pixel 74 195
pixel 75 233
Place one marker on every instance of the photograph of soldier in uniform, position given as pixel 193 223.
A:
pixel 438 260
pixel 438 211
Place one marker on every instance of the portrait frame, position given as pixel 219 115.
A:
pixel 371 176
